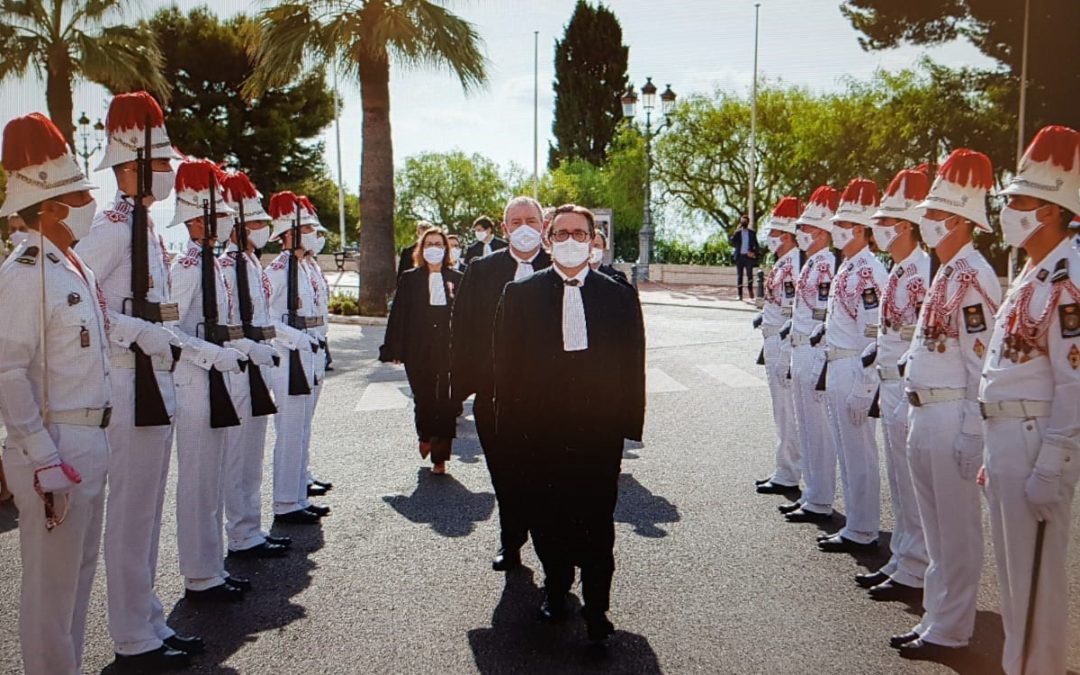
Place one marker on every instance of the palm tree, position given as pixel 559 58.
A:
pixel 61 40
pixel 361 37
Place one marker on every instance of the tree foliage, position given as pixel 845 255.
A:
pixel 996 28
pixel 590 77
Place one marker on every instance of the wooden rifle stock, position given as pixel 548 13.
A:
pixel 298 383
pixel 222 411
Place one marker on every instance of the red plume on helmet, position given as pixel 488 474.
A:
pixel 31 140
pixel 1057 144
pixel 861 191
pixel 238 186
pixel 788 207
pixel 306 203
pixel 283 205
pixel 129 111
pixel 826 196
pixel 194 175
pixel 909 184
pixel 968 168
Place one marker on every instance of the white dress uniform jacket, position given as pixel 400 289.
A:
pixel 777 311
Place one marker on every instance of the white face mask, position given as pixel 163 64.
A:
pixel 933 231
pixel 481 236
pixel 596 256
pixel 804 239
pixel 161 186
pixel 434 254
pixel 570 253
pixel 309 240
pixel 319 246
pixel 80 218
pixel 1017 226
pixel 525 238
pixel 259 237
pixel 842 237
pixel 18 238
pixel 773 244
pixel 455 252
pixel 884 236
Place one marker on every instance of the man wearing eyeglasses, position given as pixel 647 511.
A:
pixel 569 388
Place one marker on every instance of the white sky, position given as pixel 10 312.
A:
pixel 696 45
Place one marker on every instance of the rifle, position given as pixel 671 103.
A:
pixel 150 408
pixel 222 412
pixel 262 403
pixel 298 384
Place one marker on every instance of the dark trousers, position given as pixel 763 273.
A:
pixel 507 469
pixel 574 519
pixel 433 411
pixel 744 263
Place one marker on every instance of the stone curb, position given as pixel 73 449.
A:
pixel 358 320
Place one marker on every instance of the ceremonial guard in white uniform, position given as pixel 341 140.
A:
pixel 54 393
pixel 245 445
pixel 851 326
pixel 901 578
pixel 945 438
pixel 298 347
pixel 1030 388
pixel 143 398
pixel 817 443
pixel 205 410
pixel 775 320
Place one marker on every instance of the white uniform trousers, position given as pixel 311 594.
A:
pixel 200 459
pixel 952 522
pixel 907 564
pixel 138 473
pixel 858 452
pixel 1012 446
pixel 244 451
pixel 58 567
pixel 319 362
pixel 292 427
pixel 817 442
pixel 783 404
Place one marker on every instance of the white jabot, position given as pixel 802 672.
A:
pixel 524 267
pixel 436 289
pixel 575 333
pixel 487 248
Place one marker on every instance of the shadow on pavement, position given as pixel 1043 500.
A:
pixel 267 606
pixel 518 642
pixel 444 503
pixel 9 516
pixel 641 508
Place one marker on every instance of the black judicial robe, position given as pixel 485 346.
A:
pixel 418 335
pixel 615 274
pixel 405 259
pixel 476 250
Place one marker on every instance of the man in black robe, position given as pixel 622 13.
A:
pixel 486 242
pixel 569 388
pixel 471 366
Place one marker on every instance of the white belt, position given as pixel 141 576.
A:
pixel 887 373
pixel 83 417
pixel 127 360
pixel 769 331
pixel 921 397
pixel 1019 409
pixel 799 339
pixel 835 353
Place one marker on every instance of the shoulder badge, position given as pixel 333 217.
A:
pixel 974 319
pixel 227 261
pixel 279 262
pixel 28 256
pixel 948 271
pixel 870 298
pixel 1069 316
pixel 1043 274
pixel 1061 271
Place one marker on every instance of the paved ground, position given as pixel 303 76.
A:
pixel 709 580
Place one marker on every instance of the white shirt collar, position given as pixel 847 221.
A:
pixel 580 276
pixel 520 260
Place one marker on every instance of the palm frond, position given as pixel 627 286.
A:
pixel 21 53
pixel 121 58
pixel 28 15
pixel 441 39
pixel 285 34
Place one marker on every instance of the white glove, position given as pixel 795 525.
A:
pixel 242 345
pixel 228 360
pixel 968 453
pixel 262 354
pixel 58 477
pixel 1043 491
pixel 858 404
pixel 156 340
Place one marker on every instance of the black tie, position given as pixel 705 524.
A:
pixel 572 282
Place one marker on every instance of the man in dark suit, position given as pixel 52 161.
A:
pixel 471 363
pixel 744 243
pixel 569 388
pixel 486 241
pixel 405 258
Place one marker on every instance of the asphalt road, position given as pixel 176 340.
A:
pixel 709 580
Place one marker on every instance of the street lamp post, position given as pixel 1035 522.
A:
pixel 648 102
pixel 84 134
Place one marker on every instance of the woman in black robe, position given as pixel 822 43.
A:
pixel 418 335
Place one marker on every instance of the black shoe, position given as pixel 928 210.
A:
pixel 504 560
pixel 221 593
pixel 188 645
pixel 314 490
pixel 156 661
pixel 790 507
pixel 279 541
pixel 263 550
pixel 237 582
pixel 895 591
pixel 921 650
pixel 771 488
pixel 872 579
pixel 839 544
pixel 299 517
pixel 320 511
pixel 762 481
pixel 804 516
pixel 597 625
pixel 897 641
pixel 555 610
pixel 828 535
pixel 326 485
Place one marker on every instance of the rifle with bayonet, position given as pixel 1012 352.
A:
pixel 262 403
pixel 222 411
pixel 150 410
pixel 298 383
